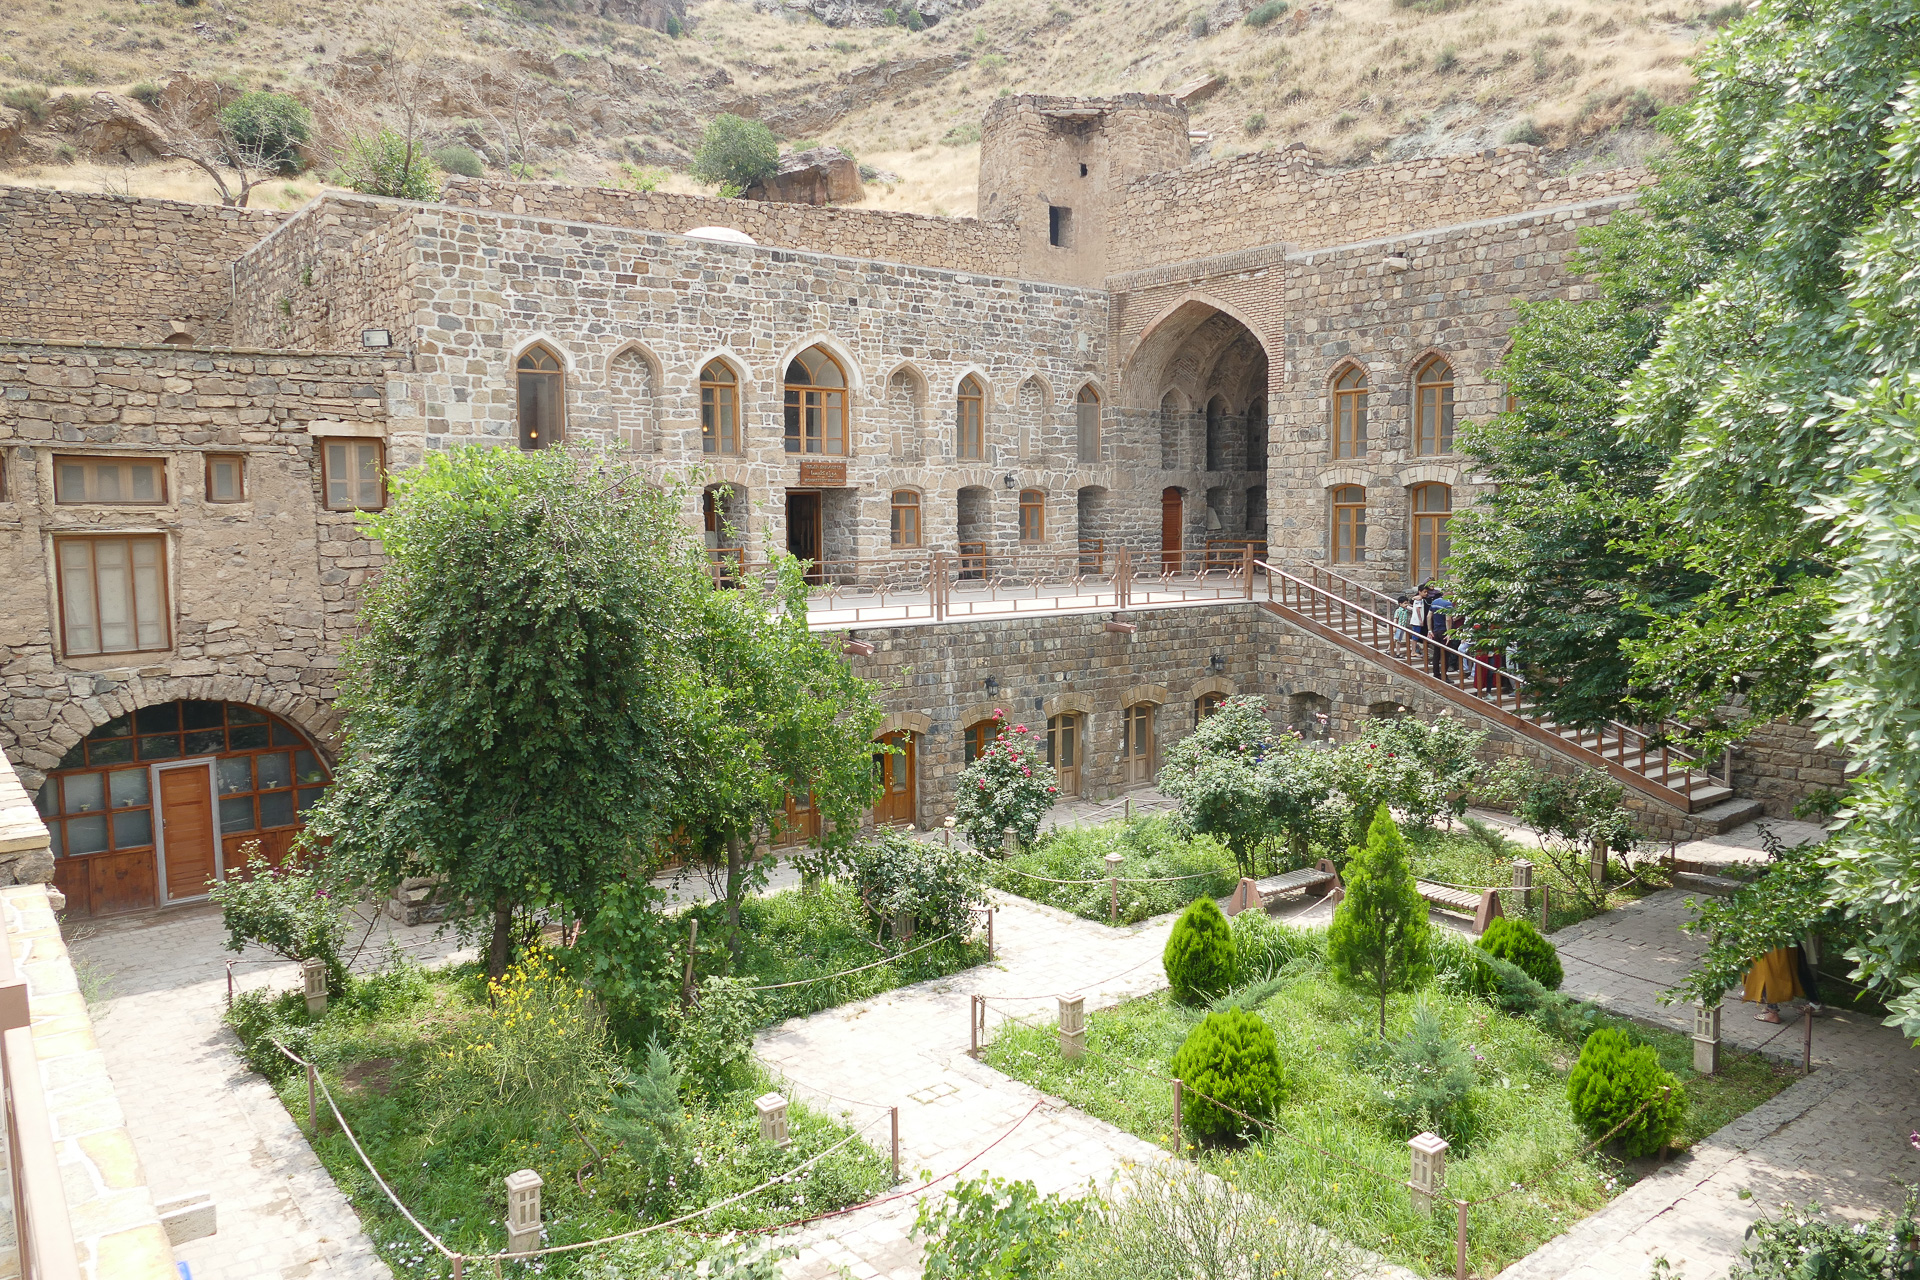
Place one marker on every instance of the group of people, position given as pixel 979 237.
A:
pixel 1426 629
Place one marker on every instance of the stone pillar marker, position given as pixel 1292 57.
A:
pixel 313 978
pixel 523 1211
pixel 773 1119
pixel 1113 879
pixel 1073 1026
pixel 1429 1178
pixel 1523 881
pixel 1598 861
pixel 1706 1039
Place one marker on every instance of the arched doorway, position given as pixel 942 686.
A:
pixel 1063 751
pixel 894 771
pixel 149 807
pixel 1173 516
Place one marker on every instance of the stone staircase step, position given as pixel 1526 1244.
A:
pixel 1725 813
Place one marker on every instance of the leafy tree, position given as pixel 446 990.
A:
pixel 1379 935
pixel 522 710
pixel 1802 1243
pixel 937 886
pixel 385 163
pixel 734 154
pixel 1199 955
pixel 1421 768
pixel 1568 812
pixel 989 1229
pixel 1242 782
pixel 1787 904
pixel 1231 1058
pixel 269 127
pixel 1008 788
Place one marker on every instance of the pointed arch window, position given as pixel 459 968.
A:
pixel 1086 417
pixel 816 389
pixel 1350 413
pixel 972 438
pixel 542 398
pixel 1433 408
pixel 1349 524
pixel 719 408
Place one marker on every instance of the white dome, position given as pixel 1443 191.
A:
pixel 720 233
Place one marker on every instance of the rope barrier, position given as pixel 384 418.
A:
pixel 1055 995
pixel 828 977
pixel 1200 875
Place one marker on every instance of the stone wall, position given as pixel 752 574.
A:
pixel 26 855
pixel 320 279
pixel 1782 764
pixel 261 592
pixel 107 268
pixel 955 244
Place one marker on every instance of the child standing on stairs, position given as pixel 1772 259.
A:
pixel 1402 620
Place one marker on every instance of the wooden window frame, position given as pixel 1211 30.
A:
pixel 1034 531
pixel 326 471
pixel 713 439
pixel 971 441
pixel 1350 412
pixel 94 459
pixel 1348 528
pixel 802 400
pixel 1205 705
pixel 60 592
pixel 977 737
pixel 896 510
pixel 558 431
pixel 1441 411
pixel 1087 434
pixel 1436 521
pixel 239 461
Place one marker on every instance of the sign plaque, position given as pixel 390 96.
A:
pixel 826 473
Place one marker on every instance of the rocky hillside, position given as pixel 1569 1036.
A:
pixel 610 91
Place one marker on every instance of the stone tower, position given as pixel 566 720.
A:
pixel 1056 168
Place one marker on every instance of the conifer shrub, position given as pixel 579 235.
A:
pixel 1612 1079
pixel 1231 1058
pixel 1199 958
pixel 1518 942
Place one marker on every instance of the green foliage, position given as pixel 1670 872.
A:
pixel 1256 124
pixel 1785 905
pixel 1519 943
pixel 713 1037
pixel 268 128
pixel 639 178
pixel 1264 947
pixel 260 1017
pixel 31 100
pixel 458 159
pixel 1612 1080
pixel 988 1229
pixel 1425 1079
pixel 1267 12
pixel 734 154
pixel 1802 1243
pixel 1569 812
pixel 1528 133
pixel 294 911
pixel 644 1111
pixel 1420 768
pixel 625 956
pixel 146 93
pixel 385 163
pixel 936 886
pixel 1240 781
pixel 1199 955
pixel 1379 935
pixel 1152 848
pixel 1009 787
pixel 1231 1060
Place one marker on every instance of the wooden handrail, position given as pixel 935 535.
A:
pixel 42 1229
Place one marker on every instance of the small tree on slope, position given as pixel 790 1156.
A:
pixel 1379 936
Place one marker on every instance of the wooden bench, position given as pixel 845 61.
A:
pixel 1482 905
pixel 1316 881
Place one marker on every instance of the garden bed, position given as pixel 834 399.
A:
pixel 1516 1126
pixel 1177 869
pixel 1484 858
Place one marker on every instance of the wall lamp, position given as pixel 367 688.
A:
pixel 1118 627
pixel 1010 480
pixel 856 648
pixel 992 684
pixel 1218 663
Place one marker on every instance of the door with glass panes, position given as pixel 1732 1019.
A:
pixel 1136 748
pixel 1063 752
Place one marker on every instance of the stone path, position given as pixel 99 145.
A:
pixel 199 1119
pixel 1839 1136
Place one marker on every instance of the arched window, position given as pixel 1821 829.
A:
pixel 1433 408
pixel 972 439
pixel 1349 524
pixel 1033 516
pixel 1086 417
pixel 1206 704
pixel 816 404
pixel 906 518
pixel 1432 509
pixel 719 409
pixel 978 736
pixel 543 394
pixel 1350 413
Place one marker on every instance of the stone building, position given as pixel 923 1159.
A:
pixel 1125 364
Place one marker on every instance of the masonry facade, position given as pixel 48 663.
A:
pixel 1124 355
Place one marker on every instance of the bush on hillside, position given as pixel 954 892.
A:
pixel 734 154
pixel 268 129
pixel 1264 14
pixel 1231 1058
pixel 458 159
pixel 1613 1079
pixel 1199 957
pixel 386 164
pixel 1518 942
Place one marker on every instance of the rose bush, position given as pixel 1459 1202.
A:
pixel 1008 787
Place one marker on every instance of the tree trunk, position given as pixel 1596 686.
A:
pixel 736 879
pixel 500 946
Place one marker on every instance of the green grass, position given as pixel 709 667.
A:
pixel 1460 857
pixel 1520 1125
pixel 373 1045
pixel 1151 849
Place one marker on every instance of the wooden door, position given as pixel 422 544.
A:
pixel 1172 519
pixel 120 881
pixel 894 769
pixel 1063 752
pixel 1137 748
pixel 186 825
pixel 803 530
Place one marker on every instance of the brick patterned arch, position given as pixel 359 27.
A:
pixel 1212 684
pixel 905 722
pixel 318 720
pixel 1152 695
pixel 1061 704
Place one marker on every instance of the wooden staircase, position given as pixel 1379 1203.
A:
pixel 1357 618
